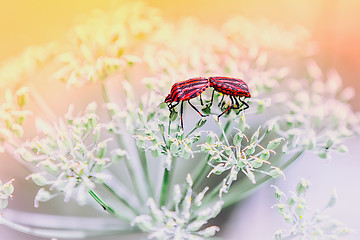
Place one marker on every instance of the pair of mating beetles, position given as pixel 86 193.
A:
pixel 191 88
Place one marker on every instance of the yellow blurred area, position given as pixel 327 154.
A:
pixel 334 24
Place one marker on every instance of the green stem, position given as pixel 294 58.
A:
pixel 145 168
pixel 121 199
pixel 105 93
pixel 203 170
pixel 165 187
pixel 169 126
pixel 57 233
pixel 49 221
pixel 193 130
pixel 224 131
pixel 201 173
pixel 107 208
pixel 129 163
pixel 134 178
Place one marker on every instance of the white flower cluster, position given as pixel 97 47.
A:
pixel 186 222
pixel 307 223
pixel 240 156
pixel 71 157
pixel 317 116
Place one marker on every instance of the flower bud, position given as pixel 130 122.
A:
pixel 174 147
pixel 91 107
pixel 101 149
pixel 209 232
pixel 96 133
pixel 325 154
pixel 91 121
pixel 332 200
pixel 276 172
pixel 186 152
pixel 201 122
pixel 238 138
pixel 274 143
pixel 42 196
pixel 242 124
pixel 255 136
pixel 256 163
pixel 25 155
pixel 264 155
pixel 196 225
pixel 300 210
pixel 38 179
pixel 189 180
pixel 211 138
pixel 161 128
pixel 143 222
pixel 177 194
pixel 250 150
pixel 302 186
pixel 200 196
pixel 342 148
pixel 22 96
pixel 49 166
pixel 118 155
pixel 17 130
pixel 279 194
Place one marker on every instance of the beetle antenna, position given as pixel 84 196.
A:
pixel 158 93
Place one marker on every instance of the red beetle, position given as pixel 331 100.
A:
pixel 233 87
pixel 184 91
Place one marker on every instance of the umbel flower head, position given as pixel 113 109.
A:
pixel 185 222
pixel 68 159
pixel 307 223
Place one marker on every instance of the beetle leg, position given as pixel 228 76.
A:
pixel 244 103
pixel 171 105
pixel 196 109
pixel 201 101
pixel 230 107
pixel 222 99
pixel 212 98
pixel 237 103
pixel 181 115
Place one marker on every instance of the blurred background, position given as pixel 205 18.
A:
pixel 335 25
